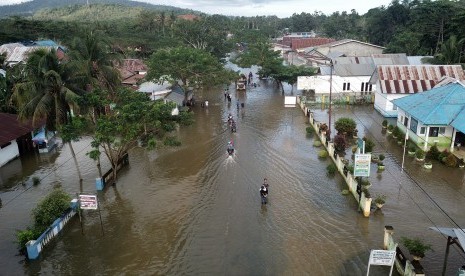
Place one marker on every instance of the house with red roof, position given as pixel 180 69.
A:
pixel 15 137
pixel 397 81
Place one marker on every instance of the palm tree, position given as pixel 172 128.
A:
pixel 44 93
pixel 94 63
pixel 450 52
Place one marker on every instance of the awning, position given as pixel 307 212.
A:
pixel 452 232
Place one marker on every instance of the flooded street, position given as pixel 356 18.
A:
pixel 193 210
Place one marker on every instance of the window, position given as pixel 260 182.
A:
pixel 348 86
pixel 370 88
pixel 442 130
pixel 433 132
pixel 422 130
pixel 344 86
pixel 405 121
pixel 413 125
pixel 361 88
pixel 401 119
pixel 366 86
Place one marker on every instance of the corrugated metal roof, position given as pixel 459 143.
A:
pixel 12 128
pixel 21 53
pixel 390 59
pixel 405 79
pixel 353 60
pixel 417 60
pixel 353 70
pixel 9 48
pixel 46 43
pixel 443 105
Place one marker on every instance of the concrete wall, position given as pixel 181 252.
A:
pixel 320 84
pixel 364 202
pixel 352 49
pixel 9 153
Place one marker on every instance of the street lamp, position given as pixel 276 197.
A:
pixel 328 133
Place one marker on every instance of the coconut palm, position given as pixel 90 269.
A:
pixel 44 93
pixel 94 63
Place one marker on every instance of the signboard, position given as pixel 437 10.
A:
pixel 290 101
pixel 362 165
pixel 88 202
pixel 382 257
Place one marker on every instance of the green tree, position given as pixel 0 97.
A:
pixel 346 126
pixel 193 67
pixel 133 117
pixel 450 52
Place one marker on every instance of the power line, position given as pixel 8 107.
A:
pixel 53 170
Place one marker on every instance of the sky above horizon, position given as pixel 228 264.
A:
pixel 281 8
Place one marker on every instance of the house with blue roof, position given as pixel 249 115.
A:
pixel 436 116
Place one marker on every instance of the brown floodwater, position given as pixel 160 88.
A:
pixel 193 210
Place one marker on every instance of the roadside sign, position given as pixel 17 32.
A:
pixel 88 202
pixel 362 164
pixel 382 257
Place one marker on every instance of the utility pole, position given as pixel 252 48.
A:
pixel 328 136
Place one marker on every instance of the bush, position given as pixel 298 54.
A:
pixel 340 143
pixel 396 131
pixel 385 123
pixel 411 147
pixel 323 127
pixel 23 236
pixel 433 153
pixel 331 169
pixel 323 154
pixel 381 157
pixel 316 143
pixel 35 181
pixel 390 127
pixel 309 130
pixel 380 199
pixel 350 168
pixel 369 144
pixel 171 141
pixel 50 208
pixel 366 192
pixel 415 246
pixel 345 126
pixel 420 154
pixel 450 160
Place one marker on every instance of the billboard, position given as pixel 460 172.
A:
pixel 88 202
pixel 362 165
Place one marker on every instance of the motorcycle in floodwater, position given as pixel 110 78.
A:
pixel 230 148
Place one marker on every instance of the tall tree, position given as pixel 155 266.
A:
pixel 191 66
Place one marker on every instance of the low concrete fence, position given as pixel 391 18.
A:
pixel 107 177
pixel 34 247
pixel 403 265
pixel 363 201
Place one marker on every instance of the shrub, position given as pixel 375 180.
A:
pixel 385 123
pixel 316 143
pixel 331 169
pixel 23 236
pixel 345 126
pixel 50 208
pixel 411 147
pixel 350 168
pixel 381 157
pixel 420 154
pixel 366 192
pixel 171 141
pixel 309 130
pixel 433 153
pixel 340 143
pixel 369 144
pixel 415 246
pixel 450 160
pixel 323 127
pixel 365 182
pixel 323 154
pixel 390 127
pixel 396 131
pixel 380 199
pixel 35 181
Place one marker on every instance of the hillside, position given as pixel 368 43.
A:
pixel 32 7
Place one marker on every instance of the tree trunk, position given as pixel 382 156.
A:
pixel 76 164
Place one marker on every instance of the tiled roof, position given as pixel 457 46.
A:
pixel 443 105
pixel 11 128
pixel 407 79
pixel 299 43
pixel 134 65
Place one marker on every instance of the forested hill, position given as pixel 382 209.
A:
pixel 30 8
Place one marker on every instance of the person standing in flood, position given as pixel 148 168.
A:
pixel 263 194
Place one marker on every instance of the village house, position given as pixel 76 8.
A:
pixel 17 52
pixel 15 137
pixel 434 117
pixel 132 72
pixel 397 81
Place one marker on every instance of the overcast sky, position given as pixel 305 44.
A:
pixel 281 8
